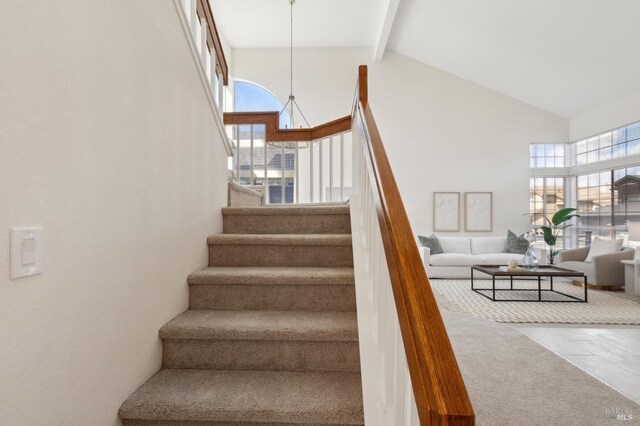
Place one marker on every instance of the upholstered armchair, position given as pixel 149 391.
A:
pixel 604 271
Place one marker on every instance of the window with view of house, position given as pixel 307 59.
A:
pixel 607 201
pixel 547 196
pixel 601 179
pixel 256 160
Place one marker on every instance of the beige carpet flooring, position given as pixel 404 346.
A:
pixel 271 336
pixel 513 380
pixel 602 308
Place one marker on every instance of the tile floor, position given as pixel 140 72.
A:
pixel 611 354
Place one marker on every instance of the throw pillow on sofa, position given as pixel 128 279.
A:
pixel 431 242
pixel 515 244
pixel 600 246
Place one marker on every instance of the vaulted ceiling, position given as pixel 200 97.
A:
pixel 564 56
pixel 317 23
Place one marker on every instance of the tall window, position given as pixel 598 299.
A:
pixel 606 201
pixel 604 178
pixel 546 196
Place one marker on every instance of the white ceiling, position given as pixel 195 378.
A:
pixel 317 23
pixel 564 56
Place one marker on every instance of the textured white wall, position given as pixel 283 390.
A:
pixel 108 142
pixel 616 114
pixel 442 133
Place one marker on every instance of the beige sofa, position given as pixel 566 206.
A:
pixel 604 271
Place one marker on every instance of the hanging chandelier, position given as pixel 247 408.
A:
pixel 291 103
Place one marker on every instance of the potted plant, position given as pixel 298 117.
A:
pixel 554 226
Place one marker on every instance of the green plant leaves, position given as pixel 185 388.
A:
pixel 549 238
pixel 564 215
pixel 554 226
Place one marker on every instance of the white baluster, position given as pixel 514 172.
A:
pixel 251 172
pixel 331 169
pixel 265 181
pixel 296 158
pixel 366 218
pixel 311 172
pixel 342 167
pixel 214 77
pixel 238 154
pixel 382 295
pixel 221 93
pixel 282 182
pixel 397 367
pixel 390 326
pixel 321 169
pixel 203 45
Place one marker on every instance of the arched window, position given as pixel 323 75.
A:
pixel 251 97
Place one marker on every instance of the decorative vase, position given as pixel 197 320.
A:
pixel 530 260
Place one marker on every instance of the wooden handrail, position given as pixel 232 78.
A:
pixel 440 394
pixel 213 39
pixel 274 133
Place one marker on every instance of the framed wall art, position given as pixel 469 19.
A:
pixel 478 208
pixel 446 211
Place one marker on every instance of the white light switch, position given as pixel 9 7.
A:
pixel 26 252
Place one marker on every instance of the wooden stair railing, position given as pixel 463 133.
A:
pixel 440 394
pixel 324 168
pixel 274 133
pixel 213 39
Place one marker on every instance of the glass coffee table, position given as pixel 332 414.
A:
pixel 544 271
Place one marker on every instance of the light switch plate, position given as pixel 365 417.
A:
pixel 26 252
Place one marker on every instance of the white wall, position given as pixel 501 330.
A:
pixel 442 133
pixel 616 114
pixel 108 142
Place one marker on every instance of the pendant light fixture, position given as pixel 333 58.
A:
pixel 291 103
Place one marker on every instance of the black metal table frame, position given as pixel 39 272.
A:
pixel 539 289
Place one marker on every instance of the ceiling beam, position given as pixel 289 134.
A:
pixel 389 9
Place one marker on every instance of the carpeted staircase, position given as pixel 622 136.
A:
pixel 270 337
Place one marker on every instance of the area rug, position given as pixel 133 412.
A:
pixel 602 307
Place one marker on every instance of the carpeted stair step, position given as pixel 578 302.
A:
pixel 273 288
pixel 215 397
pixel 262 340
pixel 325 250
pixel 287 220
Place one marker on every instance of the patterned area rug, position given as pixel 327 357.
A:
pixel 602 307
